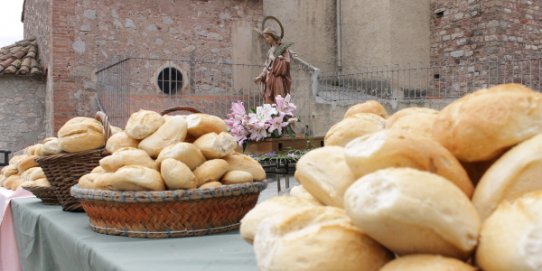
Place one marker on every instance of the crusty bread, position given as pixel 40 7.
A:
pixel 200 124
pixel 246 163
pixel 184 152
pixel 517 172
pixel 425 262
pixel 214 146
pixel 9 170
pixel 210 185
pixel 177 175
pixel 411 212
pixel 319 238
pixel 398 148
pixel 511 238
pixel 350 128
pixel 33 174
pixel 481 125
pixel 237 177
pixel 132 178
pixel 143 123
pixel 49 147
pixel 371 106
pixel 417 120
pixel 88 181
pixel 172 131
pixel 81 134
pixel 127 156
pixel 390 121
pixel 300 192
pixel 120 140
pixel 325 174
pixel 26 163
pixel 16 159
pixel 12 182
pixel 211 171
pixel 98 169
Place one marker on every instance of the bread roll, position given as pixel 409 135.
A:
pixel 210 185
pixel 49 147
pixel 246 163
pixel 237 177
pixel 417 120
pixel 479 126
pixel 98 169
pixel 200 124
pixel 93 180
pixel 407 112
pixel 350 128
pixel 300 192
pixel 41 182
pixel 16 159
pixel 143 123
pixel 511 238
pixel 12 182
pixel 371 106
pixel 81 134
pixel 517 172
pixel 184 152
pixel 2 179
pixel 432 215
pixel 177 175
pixel 396 148
pixel 320 238
pixel 214 146
pixel 9 170
pixel 132 178
pixel 426 263
pixel 33 174
pixel 26 163
pixel 115 129
pixel 120 140
pixel 325 174
pixel 127 156
pixel 211 171
pixel 32 150
pixel 171 132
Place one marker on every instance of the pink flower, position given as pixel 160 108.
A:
pixel 277 123
pixel 237 108
pixel 284 105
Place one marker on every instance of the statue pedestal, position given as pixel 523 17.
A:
pixel 282 144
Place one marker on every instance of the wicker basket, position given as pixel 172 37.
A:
pixel 46 194
pixel 164 214
pixel 64 170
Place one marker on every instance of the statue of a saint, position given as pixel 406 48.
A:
pixel 275 78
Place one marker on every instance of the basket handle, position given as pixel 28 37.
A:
pixel 102 117
pixel 179 108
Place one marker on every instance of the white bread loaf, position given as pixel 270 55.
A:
pixel 9 170
pixel 41 182
pixel 214 146
pixel 412 212
pixel 184 152
pixel 177 175
pixel 511 238
pixel 417 120
pixel 200 124
pixel 425 262
pixel 12 182
pixel 16 159
pixel 50 146
pixel 94 180
pixel 372 106
pixel 26 163
pixel 98 169
pixel 2 179
pixel 143 123
pixel 237 177
pixel 238 161
pixel 210 185
pixel 319 238
pixel 300 192
pixel 481 125
pixel 325 174
pixel 33 149
pixel 132 178
pixel 211 171
pixel 268 208
pixel 115 129
pixel 350 128
pixel 517 172
pixel 81 134
pixel 120 140
pixel 127 156
pixel 397 148
pixel 33 174
pixel 172 131
pixel 409 111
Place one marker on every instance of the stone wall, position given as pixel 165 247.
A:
pixel 22 111
pixel 37 25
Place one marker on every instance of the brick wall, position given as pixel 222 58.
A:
pixel 25 96
pixel 37 25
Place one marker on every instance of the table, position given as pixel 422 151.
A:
pixel 50 239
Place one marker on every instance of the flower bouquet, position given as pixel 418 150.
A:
pixel 266 121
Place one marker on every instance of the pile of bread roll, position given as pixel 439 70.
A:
pixel 156 152
pixel 22 171
pixel 455 189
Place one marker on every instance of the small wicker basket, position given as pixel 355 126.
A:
pixel 165 214
pixel 45 194
pixel 64 170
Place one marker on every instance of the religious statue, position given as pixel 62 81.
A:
pixel 275 78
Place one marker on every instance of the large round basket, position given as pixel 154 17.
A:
pixel 165 214
pixel 45 194
pixel 64 170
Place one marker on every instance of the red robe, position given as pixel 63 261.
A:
pixel 276 79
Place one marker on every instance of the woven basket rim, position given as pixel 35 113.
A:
pixel 37 188
pixel 48 158
pixel 167 195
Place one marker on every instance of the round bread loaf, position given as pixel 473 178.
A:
pixel 517 172
pixel 511 238
pixel 300 192
pixel 481 125
pixel 127 156
pixel 427 263
pixel 143 123
pixel 215 146
pixel 120 140
pixel 132 178
pixel 350 128
pixel 177 175
pixel 211 171
pixel 246 163
pixel 237 177
pixel 371 106
pixel 184 152
pixel 200 124
pixel 319 238
pixel 81 134
pixel 172 131
pixel 397 148
pixel 210 185
pixel 417 120
pixel 431 214
pixel 325 174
